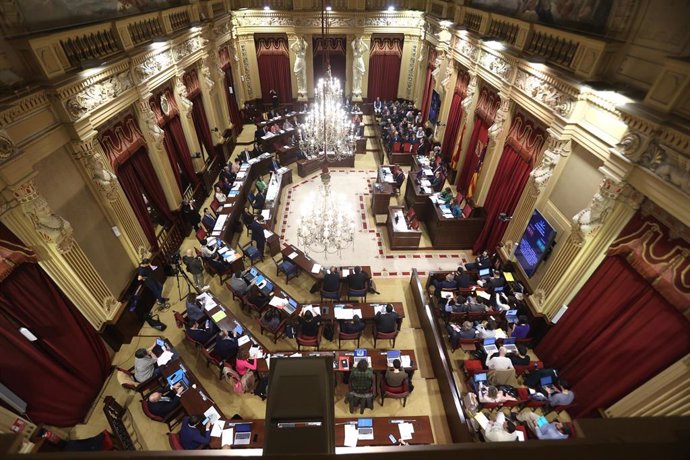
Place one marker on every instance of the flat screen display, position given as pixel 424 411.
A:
pixel 435 107
pixel 537 238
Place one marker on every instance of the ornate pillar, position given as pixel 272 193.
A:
pixel 52 238
pixel 159 157
pixel 185 106
pixel 448 74
pixel 212 81
pixel 408 67
pixel 469 104
pixel 497 136
pixel 556 148
pixel 93 166
pixel 249 68
pixel 593 230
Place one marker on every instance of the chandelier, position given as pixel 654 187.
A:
pixel 327 225
pixel 327 132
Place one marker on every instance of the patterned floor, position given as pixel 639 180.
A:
pixel 370 245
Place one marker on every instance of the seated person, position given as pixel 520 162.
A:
pixel 559 395
pixel 474 306
pixel 354 326
pixel 395 376
pixel 163 403
pixel 519 357
pixel 260 184
pixel 256 297
pixel 224 186
pixel 358 280
pixel 238 284
pixel 208 220
pixel 446 195
pixel 145 364
pixel 331 280
pixel 448 282
pixel 220 196
pixel 226 346
pixel 499 361
pixel 194 311
pixel 259 201
pixel 270 320
pixel 462 278
pixel 201 333
pixel 489 330
pixel 501 301
pixel 226 174
pixel 243 364
pixel 274 128
pixel 521 328
pixel 308 323
pixel 553 430
pixel 454 304
pixel 275 164
pixel 247 217
pixel 398 177
pixel 236 165
pixel 388 321
pixel 193 435
pixel 491 394
pixel 500 430
pixel 438 180
pixel 287 125
pixel 361 383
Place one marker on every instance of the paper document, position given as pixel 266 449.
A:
pixel 351 435
pixel 219 316
pixel 520 435
pixel 508 276
pixel 212 414
pixel 266 214
pixel 267 233
pixel 217 429
pixel 164 358
pixel 242 340
pixel 343 313
pixel 424 183
pixel 481 420
pixel 405 361
pixel 346 272
pixel 227 438
pixel 406 430
pixel 277 301
pixel 379 309
pixel 293 255
pixel 483 295
pixel 316 268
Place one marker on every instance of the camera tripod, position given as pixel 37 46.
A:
pixel 180 273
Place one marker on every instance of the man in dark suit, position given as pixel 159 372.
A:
pixel 259 201
pixel 258 235
pixel 352 327
pixel 201 333
pixel 331 281
pixel 399 178
pixel 245 155
pixel 163 404
pixel 208 220
pixel 463 279
pixel 387 322
pixel 358 280
pixel 275 164
pixel 226 346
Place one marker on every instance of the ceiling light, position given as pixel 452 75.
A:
pixel 267 8
pixel 391 8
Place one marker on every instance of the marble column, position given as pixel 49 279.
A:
pixel 90 158
pixel 185 106
pixel 51 237
pixel 593 230
pixel 157 154
pixel 469 104
pixel 214 95
pixel 498 132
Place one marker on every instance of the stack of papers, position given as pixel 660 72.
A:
pixel 219 316
pixel 400 225
pixel 277 301
pixel 405 361
pixel 227 437
pixel 483 295
pixel 343 313
pixel 346 272
pixel 220 223
pixel 212 414
pixel 293 255
pixel 316 268
pixel 242 340
pixel 311 309
pixel 379 308
pixel 425 183
pixel 266 214
pixel 217 429
pixel 406 430
pixel 164 358
pixel 267 233
pixel 351 436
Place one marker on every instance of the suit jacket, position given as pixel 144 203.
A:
pixel 399 179
pixel 209 222
pixel 331 282
pixel 358 281
pixel 168 403
pixel 387 322
pixel 226 348
pixel 259 201
pixel 350 327
pixel 464 280
pixel 191 437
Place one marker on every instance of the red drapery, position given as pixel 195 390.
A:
pixel 336 56
pixel 137 176
pixel 384 68
pixel 429 83
pixel 232 101
pixel 203 132
pixel 274 68
pixel 523 144
pixel 455 115
pixel 60 375
pixel 614 337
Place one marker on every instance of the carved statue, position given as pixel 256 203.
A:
pixel 586 222
pixel 358 67
pixel 541 174
pixel 299 47
pixel 51 227
pixel 103 178
pixel 181 91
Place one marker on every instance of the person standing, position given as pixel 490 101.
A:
pixel 273 94
pixel 258 236
pixel 195 267
pixel 145 275
pixel 189 214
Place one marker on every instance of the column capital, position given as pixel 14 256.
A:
pixel 502 117
pixel 147 119
pixel 556 148
pixel 52 228
pixel 180 89
pixel 90 155
pixel 587 222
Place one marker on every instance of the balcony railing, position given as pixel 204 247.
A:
pixel 90 46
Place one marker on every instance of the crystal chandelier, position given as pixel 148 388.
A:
pixel 327 225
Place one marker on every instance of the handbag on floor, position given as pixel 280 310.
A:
pixel 155 322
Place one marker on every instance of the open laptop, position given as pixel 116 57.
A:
pixel 546 381
pixel 509 345
pixel 291 306
pixel 392 356
pixel 243 434
pixel 484 272
pixel 357 359
pixel 481 377
pixel 512 316
pixel 365 428
pixel 447 294
pixel 490 346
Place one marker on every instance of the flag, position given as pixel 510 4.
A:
pixel 480 151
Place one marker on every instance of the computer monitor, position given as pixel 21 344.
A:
pixel 481 377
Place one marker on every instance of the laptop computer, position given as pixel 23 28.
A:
pixel 490 346
pixel 365 428
pixel 541 421
pixel 484 272
pixel 481 377
pixel 178 376
pixel 446 294
pixel 357 359
pixel 509 344
pixel 392 356
pixel 499 289
pixel 243 434
pixel 267 288
pixel 291 306
pixel 359 352
pixel 546 381
pixel 512 316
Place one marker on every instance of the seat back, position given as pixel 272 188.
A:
pixel 180 319
pixel 401 391
pixel 200 234
pixel 214 206
pixel 148 413
pixel 467 211
pixel 396 146
pixel 174 440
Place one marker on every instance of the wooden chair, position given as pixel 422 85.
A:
pixel 401 392
pixel 386 335
pixel 126 379
pixel 200 234
pixel 304 341
pixel 277 333
pixel 349 336
pixel 251 252
pixel 172 419
pixel 285 266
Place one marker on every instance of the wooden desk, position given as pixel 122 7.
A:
pixel 400 158
pixel 417 199
pixel 452 233
pixel 383 190
pixel 306 167
pixel 272 205
pixel 368 311
pixel 361 144
pixel 306 263
pixel 383 426
pixel 229 322
pixel 400 238
pixel 379 359
pixel 281 119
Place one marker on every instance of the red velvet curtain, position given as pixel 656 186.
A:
pixel 384 68
pixel 178 152
pixel 428 88
pixel 203 132
pixel 336 57
pixel 61 374
pixel 452 126
pixel 232 100
pixel 617 333
pixel 274 68
pixel 509 181
pixel 473 157
pixel 137 176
